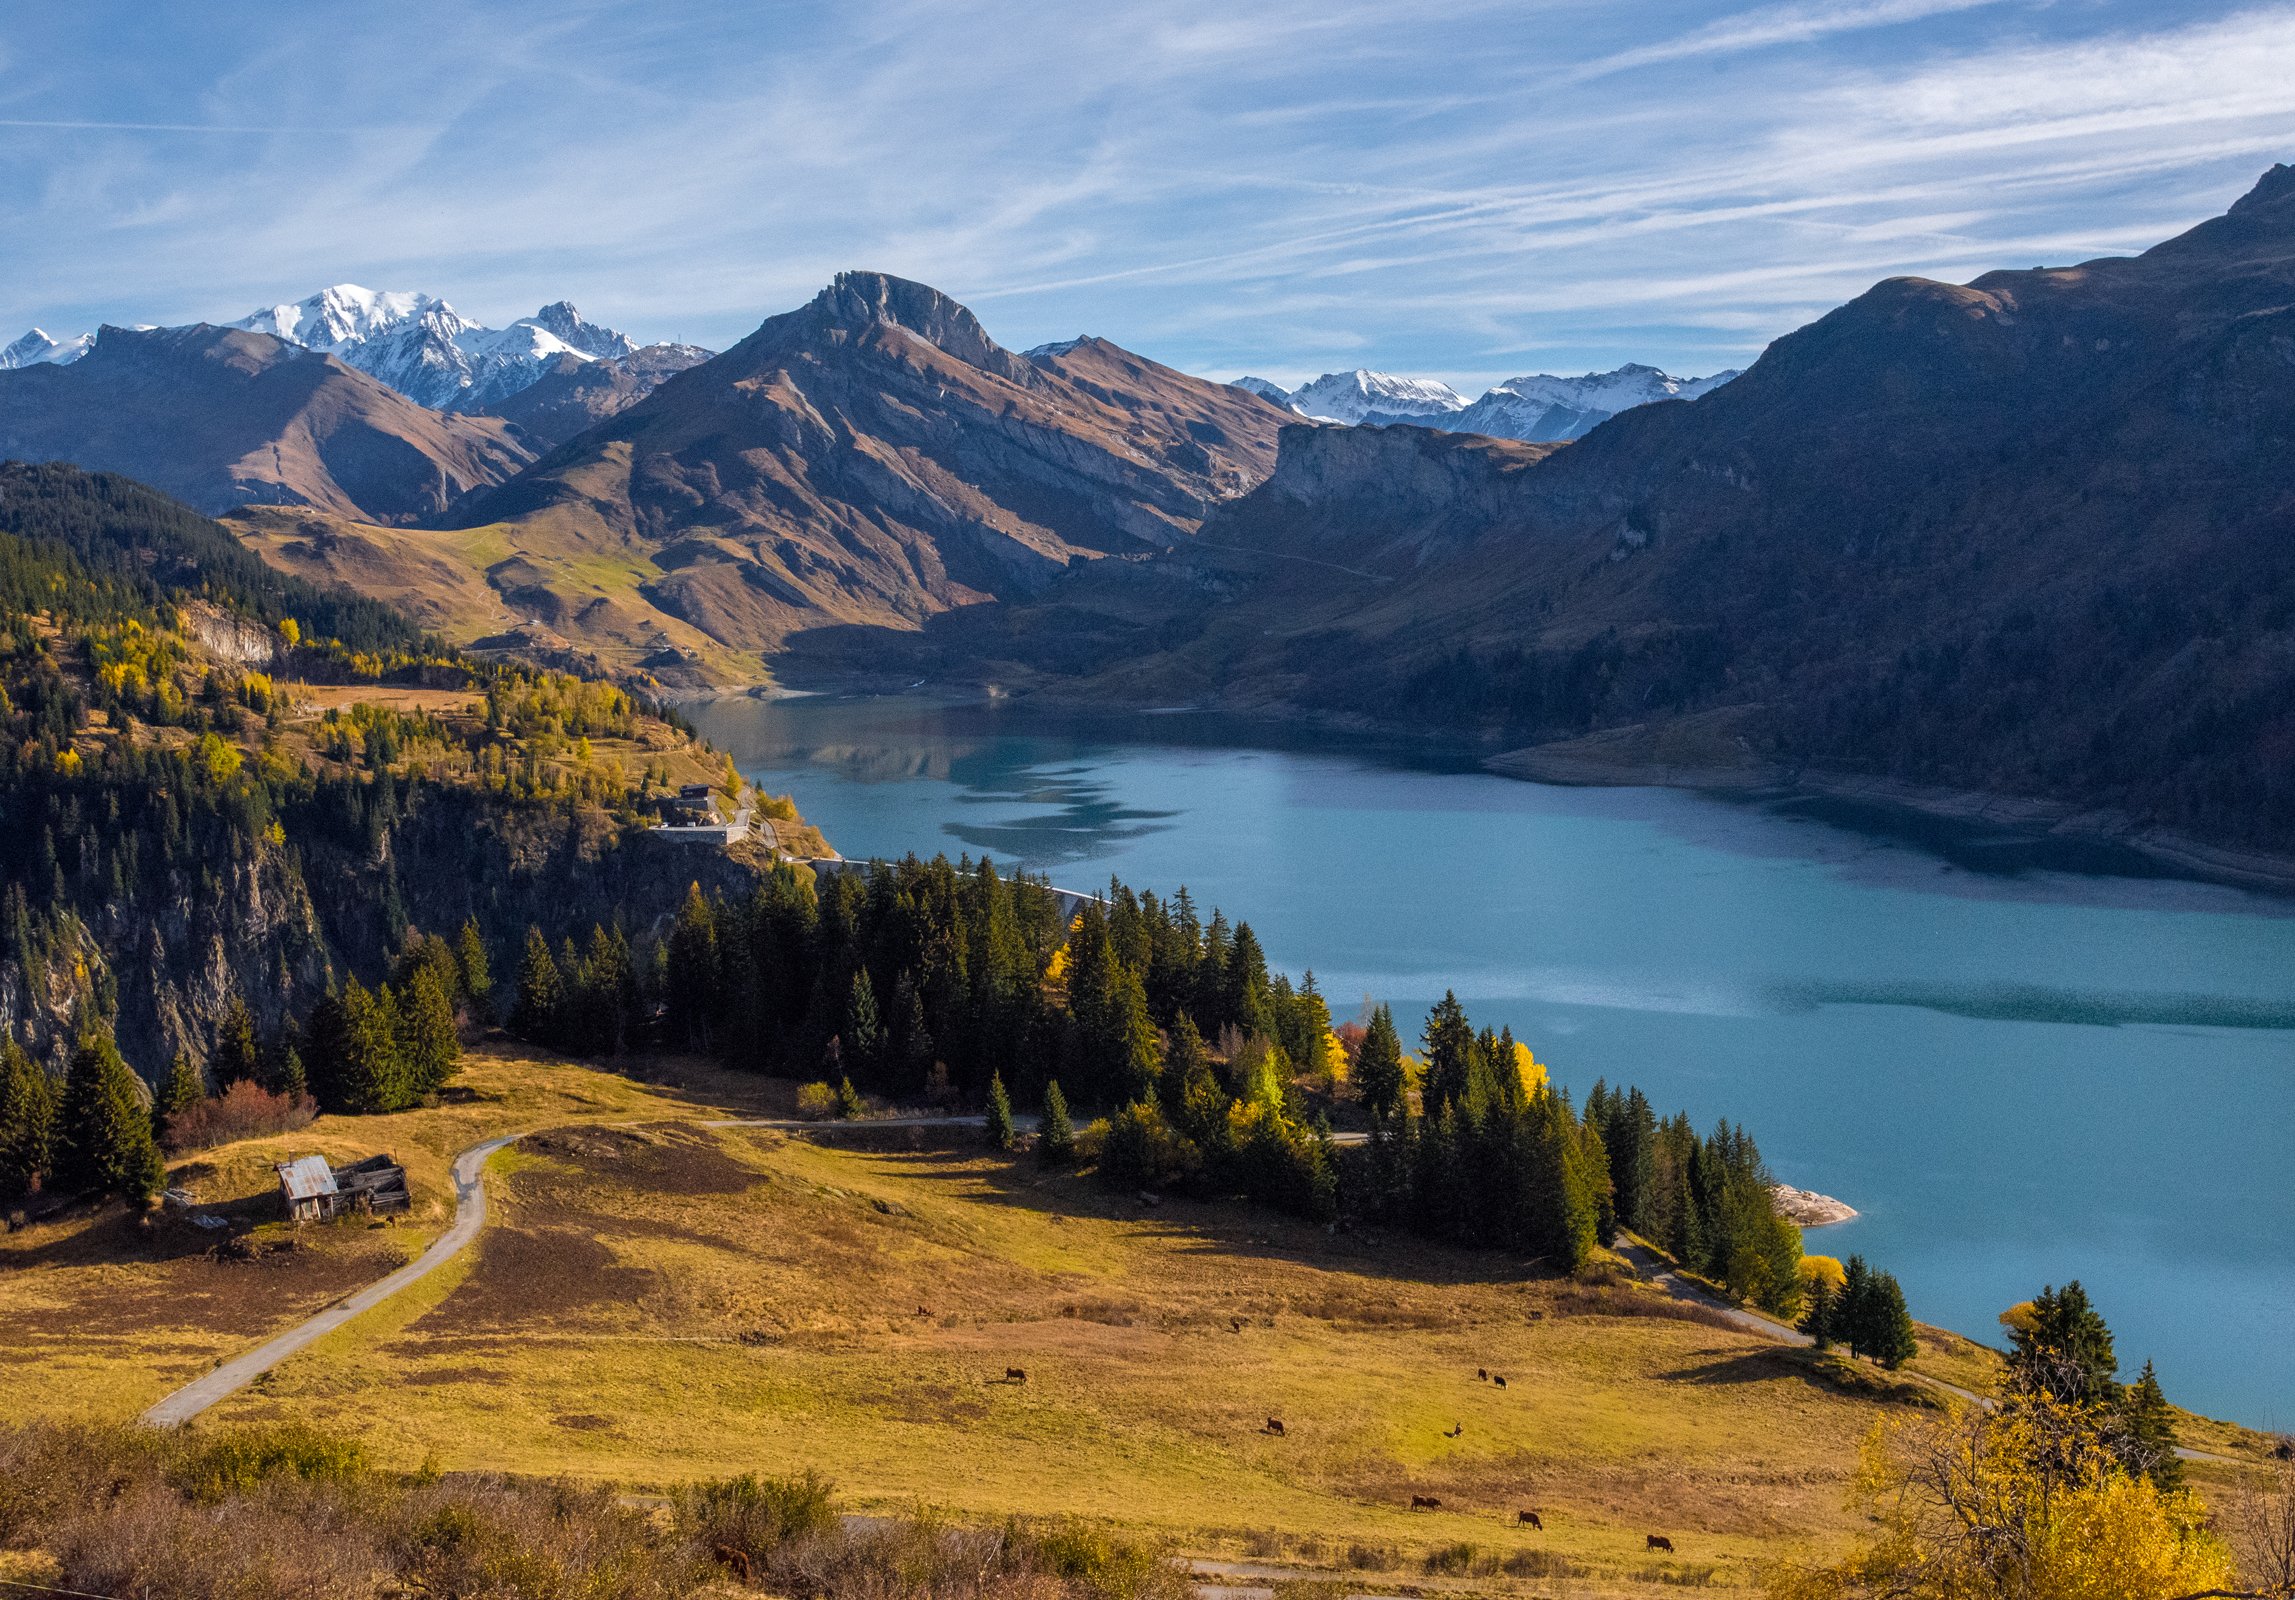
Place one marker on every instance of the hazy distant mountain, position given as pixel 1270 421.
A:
pixel 1540 408
pixel 39 347
pixel 423 348
pixel 222 417
pixel 1543 408
pixel 1353 396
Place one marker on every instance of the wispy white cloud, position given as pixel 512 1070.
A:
pixel 1474 189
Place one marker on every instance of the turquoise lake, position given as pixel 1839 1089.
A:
pixel 2020 1074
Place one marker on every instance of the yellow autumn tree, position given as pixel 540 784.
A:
pixel 1823 1269
pixel 1533 1073
pixel 2024 1503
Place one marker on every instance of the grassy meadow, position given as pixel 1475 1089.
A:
pixel 654 1301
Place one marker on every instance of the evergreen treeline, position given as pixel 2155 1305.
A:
pixel 913 977
pixel 1867 1313
pixel 1705 1201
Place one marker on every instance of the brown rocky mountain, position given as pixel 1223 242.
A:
pixel 222 417
pixel 573 394
pixel 2032 535
pixel 872 457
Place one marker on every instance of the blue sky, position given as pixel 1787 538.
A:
pixel 1442 187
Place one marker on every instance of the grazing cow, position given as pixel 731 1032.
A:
pixel 1235 1323
pixel 1658 1541
pixel 1275 1426
pixel 735 1561
pixel 924 1311
pixel 1482 1373
pixel 1456 1429
pixel 1425 1502
pixel 1498 1380
pixel 1529 1519
pixel 1015 1374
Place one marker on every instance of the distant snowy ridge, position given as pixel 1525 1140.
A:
pixel 1539 407
pixel 1547 408
pixel 1351 396
pixel 37 348
pixel 423 348
pixel 415 343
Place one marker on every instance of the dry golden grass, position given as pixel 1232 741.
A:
pixel 102 1314
pixel 661 1302
pixel 654 1301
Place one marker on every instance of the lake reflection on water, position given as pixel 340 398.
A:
pixel 2019 1075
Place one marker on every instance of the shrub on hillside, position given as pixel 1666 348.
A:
pixel 246 1110
pixel 269 1513
pixel 816 1101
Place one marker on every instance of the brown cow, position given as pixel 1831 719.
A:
pixel 1482 1373
pixel 1529 1519
pixel 1425 1502
pixel 1015 1374
pixel 1658 1541
pixel 734 1560
pixel 1275 1426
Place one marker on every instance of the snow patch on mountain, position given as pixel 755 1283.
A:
pixel 1351 396
pixel 427 351
pixel 1544 407
pixel 1263 389
pixel 39 348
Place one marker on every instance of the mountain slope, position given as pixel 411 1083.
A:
pixel 2032 535
pixel 873 457
pixel 220 417
pixel 572 393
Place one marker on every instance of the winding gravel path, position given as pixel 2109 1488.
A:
pixel 237 1373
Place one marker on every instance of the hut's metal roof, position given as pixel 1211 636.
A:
pixel 306 1178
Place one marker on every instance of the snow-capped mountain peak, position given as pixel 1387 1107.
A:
pixel 38 347
pixel 1541 406
pixel 429 352
pixel 1352 396
pixel 562 322
pixel 342 314
pixel 1263 389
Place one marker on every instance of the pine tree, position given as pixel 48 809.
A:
pixel 428 1045
pixel 357 1067
pixel 185 1091
pixel 1889 1325
pixel 476 974
pixel 1248 1000
pixel 541 993
pixel 1853 1313
pixel 237 1055
pixel 692 971
pixel 27 1119
pixel 2150 1426
pixel 286 1075
pixel 864 1032
pixel 103 1134
pixel 1449 1041
pixel 1819 1313
pixel 1056 1138
pixel 2063 1348
pixel 1379 1075
pixel 999 1114
pixel 849 1102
